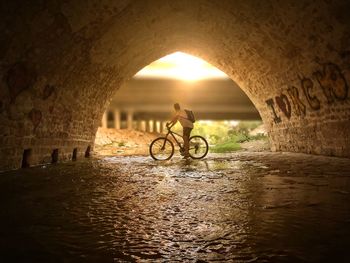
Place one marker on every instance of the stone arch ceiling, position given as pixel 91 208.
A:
pixel 61 62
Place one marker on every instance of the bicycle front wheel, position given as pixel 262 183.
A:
pixel 161 149
pixel 198 147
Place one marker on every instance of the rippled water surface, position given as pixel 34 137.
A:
pixel 247 207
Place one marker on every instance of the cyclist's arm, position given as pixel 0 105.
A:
pixel 173 121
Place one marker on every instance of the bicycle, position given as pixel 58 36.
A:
pixel 162 148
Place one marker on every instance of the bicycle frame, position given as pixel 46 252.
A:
pixel 172 134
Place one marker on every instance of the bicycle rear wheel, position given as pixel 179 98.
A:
pixel 198 147
pixel 161 149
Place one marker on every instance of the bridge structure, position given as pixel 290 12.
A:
pixel 147 103
pixel 62 61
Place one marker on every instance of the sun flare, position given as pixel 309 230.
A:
pixel 180 66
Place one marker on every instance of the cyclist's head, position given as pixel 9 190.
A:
pixel 177 106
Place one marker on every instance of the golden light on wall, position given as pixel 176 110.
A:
pixel 181 66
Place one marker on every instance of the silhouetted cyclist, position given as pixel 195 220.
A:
pixel 186 119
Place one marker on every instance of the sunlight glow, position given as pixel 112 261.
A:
pixel 180 66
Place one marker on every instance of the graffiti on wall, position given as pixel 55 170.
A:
pixel 332 83
pixel 284 104
pixel 48 91
pixel 19 78
pixel 308 88
pixel 35 116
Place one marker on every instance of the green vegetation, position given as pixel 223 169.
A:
pixel 121 144
pixel 225 136
pixel 225 147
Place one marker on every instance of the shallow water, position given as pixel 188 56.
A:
pixel 247 207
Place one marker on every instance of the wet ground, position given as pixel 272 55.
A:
pixel 244 207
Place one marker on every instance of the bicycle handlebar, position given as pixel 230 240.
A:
pixel 168 126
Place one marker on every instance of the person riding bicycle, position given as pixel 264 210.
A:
pixel 186 123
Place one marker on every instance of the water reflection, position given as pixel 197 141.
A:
pixel 258 208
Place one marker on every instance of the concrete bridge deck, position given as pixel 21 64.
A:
pixel 145 99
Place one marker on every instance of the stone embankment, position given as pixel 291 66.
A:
pixel 122 142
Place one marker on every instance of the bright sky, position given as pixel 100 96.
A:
pixel 180 66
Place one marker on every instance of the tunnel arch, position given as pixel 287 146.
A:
pixel 233 77
pixel 63 60
pixel 147 97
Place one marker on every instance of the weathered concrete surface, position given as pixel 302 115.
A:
pixel 247 207
pixel 62 61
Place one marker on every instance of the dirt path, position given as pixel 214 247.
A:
pixel 123 142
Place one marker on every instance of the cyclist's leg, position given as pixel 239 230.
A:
pixel 186 137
